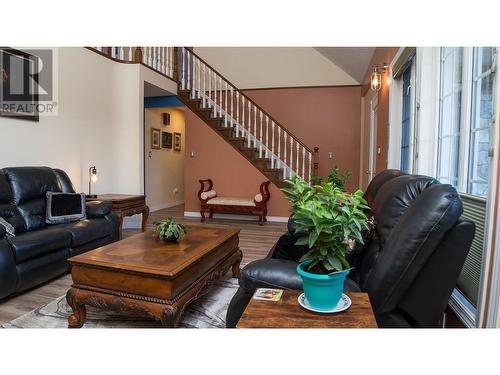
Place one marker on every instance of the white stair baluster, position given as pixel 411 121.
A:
pixel 278 161
pixel 249 123
pixel 193 77
pixel 291 157
pixel 284 154
pixel 242 115
pixel 255 126
pixel 188 71
pixel 297 167
pixel 225 104
pixel 309 172
pixel 232 106
pixel 237 113
pixel 209 88
pixel 272 144
pixel 260 135
pixel 303 162
pixel 183 80
pixel 267 134
pixel 220 97
pixel 204 83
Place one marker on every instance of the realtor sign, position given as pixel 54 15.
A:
pixel 28 83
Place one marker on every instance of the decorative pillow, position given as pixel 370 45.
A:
pixel 65 208
pixel 9 229
pixel 258 198
pixel 208 194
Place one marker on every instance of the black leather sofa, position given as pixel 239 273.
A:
pixel 39 251
pixel 410 265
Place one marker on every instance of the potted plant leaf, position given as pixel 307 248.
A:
pixel 327 221
pixel 168 230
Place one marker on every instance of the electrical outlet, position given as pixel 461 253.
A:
pixel 175 190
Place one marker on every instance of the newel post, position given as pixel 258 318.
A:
pixel 138 54
pixel 316 161
pixel 176 64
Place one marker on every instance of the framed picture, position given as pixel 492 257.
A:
pixel 166 140
pixel 18 84
pixel 155 138
pixel 177 141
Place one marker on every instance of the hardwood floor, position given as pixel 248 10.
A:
pixel 255 242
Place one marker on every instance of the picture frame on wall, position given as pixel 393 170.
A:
pixel 155 138
pixel 166 140
pixel 177 141
pixel 18 66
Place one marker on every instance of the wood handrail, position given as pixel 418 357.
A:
pixel 297 139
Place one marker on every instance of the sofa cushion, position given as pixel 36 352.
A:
pixel 232 201
pixel 89 230
pixel 29 186
pixel 32 244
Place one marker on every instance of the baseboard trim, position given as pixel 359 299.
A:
pixel 272 219
pixel 167 205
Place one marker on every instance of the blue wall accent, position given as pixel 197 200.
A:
pixel 162 101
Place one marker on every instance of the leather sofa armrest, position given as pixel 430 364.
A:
pixel 97 209
pixel 270 273
pixel 3 232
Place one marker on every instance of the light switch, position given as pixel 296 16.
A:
pixel 191 154
pixel 378 151
pixel 330 155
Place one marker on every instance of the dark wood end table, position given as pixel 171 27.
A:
pixel 126 205
pixel 287 313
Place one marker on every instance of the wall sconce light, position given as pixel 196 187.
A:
pixel 92 180
pixel 376 77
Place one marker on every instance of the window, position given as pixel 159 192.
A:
pixel 466 115
pixel 450 97
pixel 481 121
pixel 406 120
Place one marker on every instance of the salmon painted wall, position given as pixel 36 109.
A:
pixel 327 117
pixel 381 55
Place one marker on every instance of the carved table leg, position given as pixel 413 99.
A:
pixel 236 265
pixel 77 319
pixel 145 215
pixel 169 316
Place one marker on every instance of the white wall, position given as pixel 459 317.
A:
pixel 165 167
pixel 260 67
pixel 99 122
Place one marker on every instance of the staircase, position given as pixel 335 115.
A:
pixel 253 132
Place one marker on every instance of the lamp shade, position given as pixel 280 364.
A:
pixel 376 80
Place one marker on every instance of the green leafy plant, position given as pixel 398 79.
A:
pixel 328 220
pixel 169 230
pixel 337 179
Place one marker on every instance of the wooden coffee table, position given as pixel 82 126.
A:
pixel 143 276
pixel 287 313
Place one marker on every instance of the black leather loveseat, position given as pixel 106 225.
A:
pixel 39 252
pixel 410 265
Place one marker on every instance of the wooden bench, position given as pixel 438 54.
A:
pixel 211 203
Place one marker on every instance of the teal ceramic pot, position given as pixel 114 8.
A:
pixel 323 292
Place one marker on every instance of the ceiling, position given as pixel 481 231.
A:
pixel 353 60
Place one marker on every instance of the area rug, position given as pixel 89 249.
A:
pixel 208 311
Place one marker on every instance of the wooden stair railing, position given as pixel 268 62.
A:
pixel 272 148
pixel 259 137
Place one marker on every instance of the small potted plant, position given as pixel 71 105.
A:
pixel 168 230
pixel 327 220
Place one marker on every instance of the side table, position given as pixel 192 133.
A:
pixel 287 313
pixel 126 205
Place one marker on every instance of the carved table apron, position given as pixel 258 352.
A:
pixel 140 290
